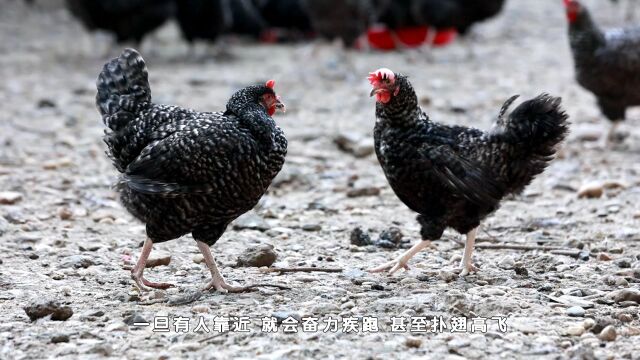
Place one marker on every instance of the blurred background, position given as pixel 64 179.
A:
pixel 56 201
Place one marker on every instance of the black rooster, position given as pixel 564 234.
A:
pixel 185 171
pixel 128 20
pixel 607 63
pixel 455 176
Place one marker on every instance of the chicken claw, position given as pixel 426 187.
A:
pixel 392 266
pixel 138 270
pixel 401 262
pixel 145 285
pixel 467 269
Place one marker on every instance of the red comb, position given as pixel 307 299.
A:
pixel 270 84
pixel 567 2
pixel 381 74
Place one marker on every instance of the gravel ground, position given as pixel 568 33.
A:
pixel 66 244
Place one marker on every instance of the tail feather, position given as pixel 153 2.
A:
pixel 123 89
pixel 533 131
pixel 123 92
pixel 539 124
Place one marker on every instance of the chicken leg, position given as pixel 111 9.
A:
pixel 466 263
pixel 217 280
pixel 401 261
pixel 137 271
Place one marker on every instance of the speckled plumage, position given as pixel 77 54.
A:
pixel 455 176
pixel 607 63
pixel 186 171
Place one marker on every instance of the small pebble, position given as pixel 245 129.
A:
pixel 576 311
pixel 359 237
pixel 311 227
pixel 258 256
pixel 347 305
pixel 363 191
pixel 447 276
pixel 625 318
pixel 158 260
pixel 61 338
pixel 64 213
pixel 41 308
pixel 591 190
pixel 575 330
pixel 413 342
pixel 199 309
pixel 603 257
pixel 10 197
pixel 588 323
pixel 608 334
pixel 623 263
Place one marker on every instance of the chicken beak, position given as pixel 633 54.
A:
pixel 374 91
pixel 280 106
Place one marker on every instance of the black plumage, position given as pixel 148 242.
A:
pixel 343 19
pixel 455 176
pixel 285 14
pixel 185 171
pixel 203 19
pixel 440 14
pixel 607 63
pixel 247 19
pixel 128 20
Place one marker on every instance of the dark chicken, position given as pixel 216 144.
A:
pixel 247 19
pixel 203 19
pixel 607 63
pixel 440 14
pixel 342 19
pixel 128 20
pixel 185 171
pixel 288 15
pixel 455 176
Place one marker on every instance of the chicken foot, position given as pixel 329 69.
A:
pixel 136 273
pixel 402 260
pixel 466 263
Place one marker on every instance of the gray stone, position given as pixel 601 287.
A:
pixel 77 261
pixel 325 308
pixel 258 256
pixel 60 338
pixel 392 235
pixel 576 311
pixel 41 308
pixel 625 295
pixel 251 221
pixel 134 318
pixel 360 237
pixel 608 333
pixel 9 197
pixel 311 227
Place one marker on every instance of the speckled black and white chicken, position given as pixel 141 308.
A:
pixel 185 171
pixel 607 63
pixel 455 176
